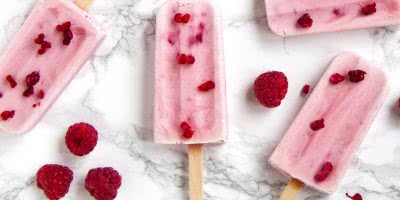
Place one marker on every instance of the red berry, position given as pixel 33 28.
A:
pixel 28 92
pixel 103 183
pixel 190 60
pixel 68 34
pixel 369 9
pixel 41 51
pixel 54 180
pixel 1 95
pixel 357 196
pixel 46 45
pixel 271 88
pixel 209 85
pixel 356 76
pixel 40 94
pixel 186 18
pixel 182 59
pixel 5 115
pixel 32 79
pixel 66 26
pixel 199 37
pixel 40 38
pixel 318 124
pixel 81 139
pixel 10 79
pixel 336 78
pixel 306 89
pixel 324 172
pixel 305 21
pixel 178 18
pixel 187 130
pixel 66 42
pixel 59 28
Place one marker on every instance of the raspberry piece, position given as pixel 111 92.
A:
pixel 45 45
pixel 1 95
pixel 186 18
pixel 199 37
pixel 271 88
pixel 357 196
pixel 28 92
pixel 317 125
pixel 39 39
pixel 336 78
pixel 209 85
pixel 306 89
pixel 305 21
pixel 40 94
pixel 5 115
pixel 10 79
pixel 187 130
pixel 66 26
pixel 190 60
pixel 81 138
pixel 68 35
pixel 182 59
pixel 32 79
pixel 103 183
pixel 66 42
pixel 178 18
pixel 369 9
pixel 59 28
pixel 54 180
pixel 356 76
pixel 41 51
pixel 326 169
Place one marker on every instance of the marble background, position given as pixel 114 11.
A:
pixel 114 93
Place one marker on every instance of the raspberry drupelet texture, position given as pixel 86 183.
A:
pixel 317 124
pixel 326 169
pixel 11 81
pixel 187 130
pixel 369 9
pixel 336 78
pixel 54 180
pixel 81 138
pixel 356 76
pixel 305 21
pixel 8 114
pixel 103 183
pixel 32 79
pixel 271 88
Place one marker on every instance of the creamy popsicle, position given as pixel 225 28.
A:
pixel 288 17
pixel 319 145
pixel 49 49
pixel 190 102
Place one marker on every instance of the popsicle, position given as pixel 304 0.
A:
pixel 288 17
pixel 53 44
pixel 190 101
pixel 320 143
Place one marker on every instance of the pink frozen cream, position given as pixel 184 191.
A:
pixel 56 64
pixel 319 145
pixel 190 101
pixel 287 17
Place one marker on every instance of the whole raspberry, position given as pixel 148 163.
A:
pixel 356 76
pixel 305 21
pixel 271 88
pixel 54 180
pixel 32 79
pixel 357 196
pixel 103 183
pixel 81 138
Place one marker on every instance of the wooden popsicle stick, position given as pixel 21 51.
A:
pixel 291 190
pixel 196 171
pixel 83 4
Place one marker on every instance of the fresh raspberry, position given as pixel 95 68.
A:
pixel 336 78
pixel 305 21
pixel 369 9
pixel 190 60
pixel 306 89
pixel 356 76
pixel 326 169
pixel 54 180
pixel 317 125
pixel 186 18
pixel 11 80
pixel 178 18
pixel 357 196
pixel 103 183
pixel 187 130
pixel 40 94
pixel 8 114
pixel 182 59
pixel 28 92
pixel 271 88
pixel 209 85
pixel 81 138
pixel 32 79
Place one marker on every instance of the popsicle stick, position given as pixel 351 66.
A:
pixel 291 190
pixel 196 171
pixel 83 4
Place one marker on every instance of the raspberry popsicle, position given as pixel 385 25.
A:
pixel 288 17
pixel 49 49
pixel 190 102
pixel 320 143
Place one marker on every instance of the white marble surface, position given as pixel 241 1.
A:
pixel 114 93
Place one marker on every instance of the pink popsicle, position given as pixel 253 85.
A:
pixel 56 67
pixel 327 16
pixel 348 109
pixel 177 96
